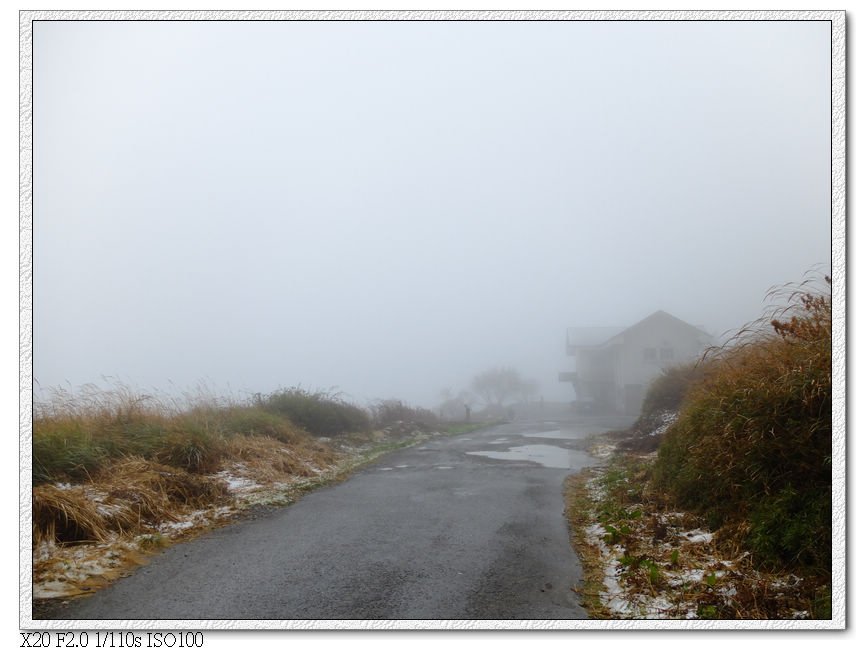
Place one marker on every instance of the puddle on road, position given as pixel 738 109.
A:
pixel 553 435
pixel 546 455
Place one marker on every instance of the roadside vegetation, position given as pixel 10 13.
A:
pixel 717 502
pixel 118 474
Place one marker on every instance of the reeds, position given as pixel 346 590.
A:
pixel 751 447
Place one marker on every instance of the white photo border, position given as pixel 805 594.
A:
pixel 839 320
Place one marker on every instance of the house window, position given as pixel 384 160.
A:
pixel 666 354
pixel 650 354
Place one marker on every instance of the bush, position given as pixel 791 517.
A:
pixel 391 411
pixel 319 413
pixel 751 448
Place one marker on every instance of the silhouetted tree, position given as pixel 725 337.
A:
pixel 497 385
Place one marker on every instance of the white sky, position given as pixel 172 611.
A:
pixel 391 208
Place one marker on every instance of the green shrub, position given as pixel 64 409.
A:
pixel 318 413
pixel 751 447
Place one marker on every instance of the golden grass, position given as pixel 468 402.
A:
pixel 751 448
pixel 154 491
pixel 270 459
pixel 72 515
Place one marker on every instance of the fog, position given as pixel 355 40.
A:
pixel 389 208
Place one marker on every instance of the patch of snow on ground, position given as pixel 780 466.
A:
pixel 616 598
pixel 79 564
pixel 667 419
pixel 177 525
pixel 788 581
pixel 697 536
pixel 603 450
pixel 689 575
pixel 195 518
pixel 237 483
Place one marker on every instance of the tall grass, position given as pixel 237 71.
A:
pixel 751 448
pixel 76 434
pixel 392 411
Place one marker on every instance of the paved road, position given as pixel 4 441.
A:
pixel 465 527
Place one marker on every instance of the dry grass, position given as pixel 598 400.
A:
pixel 72 515
pixel 751 448
pixel 153 491
pixel 127 497
pixel 271 459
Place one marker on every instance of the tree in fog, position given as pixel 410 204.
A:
pixel 498 385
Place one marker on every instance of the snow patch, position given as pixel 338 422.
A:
pixel 237 483
pixel 667 418
pixel 697 536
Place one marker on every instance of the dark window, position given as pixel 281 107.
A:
pixel 650 354
pixel 666 353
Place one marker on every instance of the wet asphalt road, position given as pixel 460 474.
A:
pixel 436 531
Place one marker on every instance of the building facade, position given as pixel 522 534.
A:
pixel 614 367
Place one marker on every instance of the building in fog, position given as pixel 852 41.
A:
pixel 614 366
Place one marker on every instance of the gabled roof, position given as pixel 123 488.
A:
pixel 584 337
pixel 662 315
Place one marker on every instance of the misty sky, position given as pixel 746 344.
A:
pixel 389 208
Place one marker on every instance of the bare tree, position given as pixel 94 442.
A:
pixel 497 385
